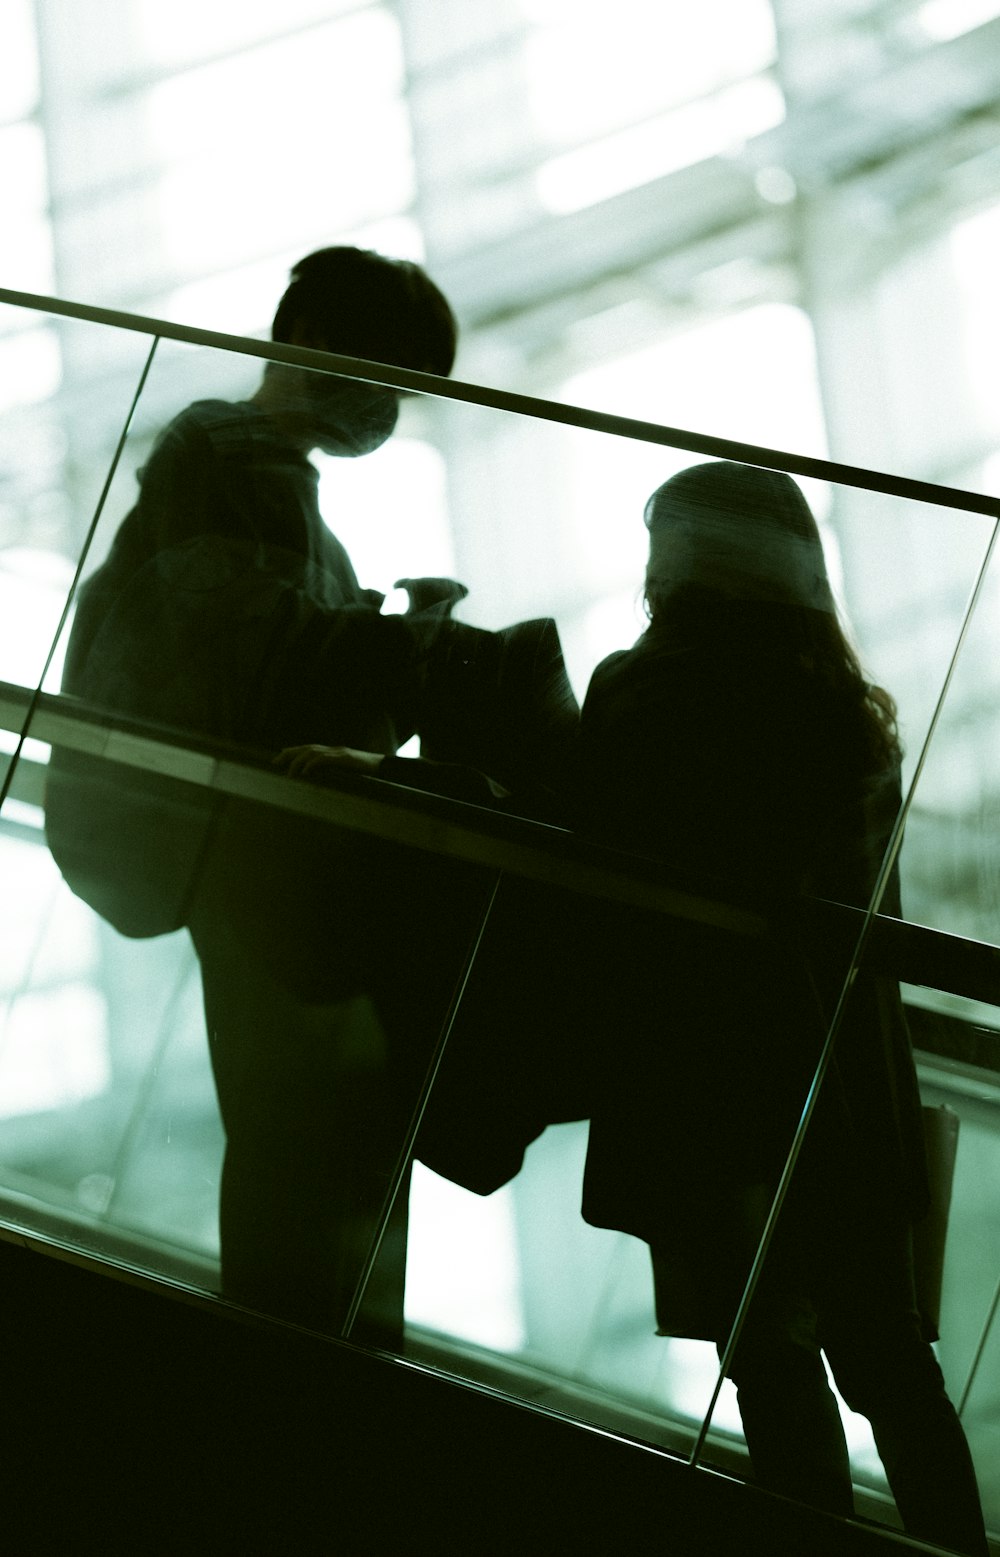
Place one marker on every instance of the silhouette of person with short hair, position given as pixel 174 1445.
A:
pixel 229 610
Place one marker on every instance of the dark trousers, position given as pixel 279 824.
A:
pixel 328 962
pixel 840 1280
pixel 312 1142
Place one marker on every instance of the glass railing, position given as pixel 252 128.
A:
pixel 325 1044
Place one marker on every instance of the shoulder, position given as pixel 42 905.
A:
pixel 213 440
pixel 607 671
pixel 191 433
pixel 212 423
pixel 606 685
pixel 652 672
pixel 204 416
pixel 649 656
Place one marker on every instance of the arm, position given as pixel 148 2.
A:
pixel 319 763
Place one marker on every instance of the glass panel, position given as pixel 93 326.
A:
pixel 951 862
pixel 679 1001
pixel 958 1055
pixel 56 446
pixel 323 964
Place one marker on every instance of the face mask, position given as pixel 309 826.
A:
pixel 349 418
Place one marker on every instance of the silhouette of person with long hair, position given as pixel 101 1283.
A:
pixel 740 741
pixel 228 609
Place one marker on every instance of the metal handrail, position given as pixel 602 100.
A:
pixel 456 829
pixel 433 823
pixel 522 405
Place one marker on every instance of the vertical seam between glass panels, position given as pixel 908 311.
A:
pixel 406 1151
pixel 84 552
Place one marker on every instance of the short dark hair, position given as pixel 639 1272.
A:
pixel 367 305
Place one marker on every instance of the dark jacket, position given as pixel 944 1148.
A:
pixel 748 775
pixel 225 610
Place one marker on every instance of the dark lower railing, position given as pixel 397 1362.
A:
pixel 913 953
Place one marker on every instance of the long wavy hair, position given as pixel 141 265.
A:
pixel 735 554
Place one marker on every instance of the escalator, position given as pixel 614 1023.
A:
pixel 144 1412
pixel 159 1397
pixel 141 1419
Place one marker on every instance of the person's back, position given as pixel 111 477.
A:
pixel 713 755
pixel 739 742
